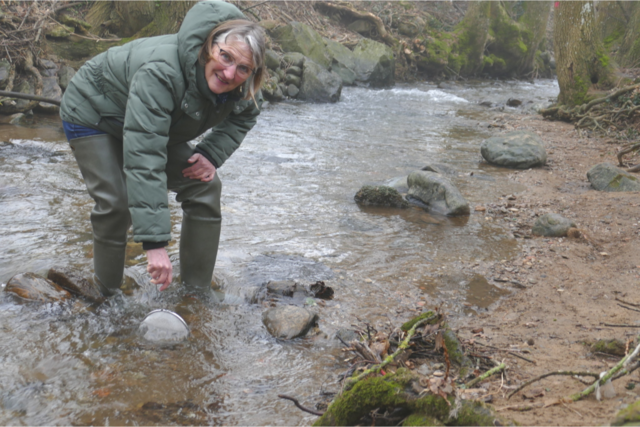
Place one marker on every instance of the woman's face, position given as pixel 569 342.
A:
pixel 229 66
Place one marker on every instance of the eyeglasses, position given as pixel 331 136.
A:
pixel 228 60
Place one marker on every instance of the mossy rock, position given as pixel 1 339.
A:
pixel 614 347
pixel 629 416
pixel 59 31
pixel 380 195
pixel 398 390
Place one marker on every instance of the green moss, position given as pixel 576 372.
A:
pixel 477 414
pixel 581 88
pixel 421 420
pixel 380 195
pixel 408 325
pixel 629 416
pixel 612 346
pixel 603 59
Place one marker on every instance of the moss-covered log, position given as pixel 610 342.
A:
pixel 399 391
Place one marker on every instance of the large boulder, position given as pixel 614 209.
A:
pixel 298 37
pixel 607 177
pixel 65 74
pixel 374 64
pixel 438 193
pixel 288 321
pixel 516 150
pixel 343 62
pixel 318 84
pixel 50 89
pixel 552 225
pixel 5 72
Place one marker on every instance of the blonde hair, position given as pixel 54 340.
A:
pixel 253 36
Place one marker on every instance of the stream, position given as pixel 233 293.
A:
pixel 288 214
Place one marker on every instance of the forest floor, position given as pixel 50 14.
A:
pixel 571 289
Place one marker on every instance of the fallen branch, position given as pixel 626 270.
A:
pixel 626 302
pixel 403 346
pixel 484 376
pixel 548 374
pixel 20 95
pixel 295 402
pixel 606 377
pixel 614 325
pixel 509 352
pixel 628 308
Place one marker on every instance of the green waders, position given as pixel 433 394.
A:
pixel 100 158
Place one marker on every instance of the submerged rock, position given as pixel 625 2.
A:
pixel 288 321
pixel 76 284
pixel 552 225
pixel 380 195
pixel 32 287
pixel 438 193
pixel 285 288
pixel 517 150
pixel 607 177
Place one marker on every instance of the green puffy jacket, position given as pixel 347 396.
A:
pixel 146 93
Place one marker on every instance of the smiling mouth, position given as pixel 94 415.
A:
pixel 222 80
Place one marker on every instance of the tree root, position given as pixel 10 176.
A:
pixel 626 150
pixel 349 10
pixel 601 114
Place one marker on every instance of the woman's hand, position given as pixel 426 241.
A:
pixel 159 267
pixel 201 169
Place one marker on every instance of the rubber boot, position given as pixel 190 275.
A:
pixel 100 159
pixel 201 219
pixel 198 251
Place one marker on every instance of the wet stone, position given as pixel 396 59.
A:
pixel 76 284
pixel 347 335
pixel 438 193
pixel 288 321
pixel 285 288
pixel 516 150
pixel 552 225
pixel 32 287
pixel 380 195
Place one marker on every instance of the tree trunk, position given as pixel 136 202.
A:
pixel 534 19
pixel 629 53
pixel 137 19
pixel 502 38
pixel 582 65
pixel 473 36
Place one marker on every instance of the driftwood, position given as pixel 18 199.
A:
pixel 345 8
pixel 28 96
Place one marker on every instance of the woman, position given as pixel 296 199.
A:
pixel 129 114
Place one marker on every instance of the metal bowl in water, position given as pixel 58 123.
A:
pixel 164 326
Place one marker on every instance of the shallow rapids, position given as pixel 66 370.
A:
pixel 288 214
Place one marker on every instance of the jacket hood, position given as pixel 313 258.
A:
pixel 197 24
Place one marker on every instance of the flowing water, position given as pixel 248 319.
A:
pixel 288 214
